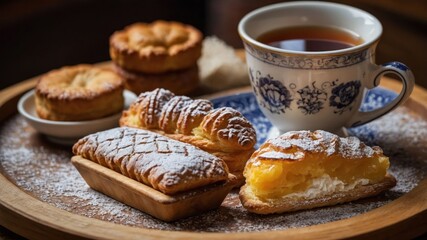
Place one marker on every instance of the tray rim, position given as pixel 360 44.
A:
pixel 39 220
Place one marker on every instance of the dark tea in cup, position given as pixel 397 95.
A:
pixel 310 38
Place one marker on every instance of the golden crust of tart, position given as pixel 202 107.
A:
pixel 76 93
pixel 180 81
pixel 156 47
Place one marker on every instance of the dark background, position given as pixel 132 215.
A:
pixel 39 35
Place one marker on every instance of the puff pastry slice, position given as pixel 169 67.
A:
pixel 304 169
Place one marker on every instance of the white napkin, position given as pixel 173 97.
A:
pixel 219 67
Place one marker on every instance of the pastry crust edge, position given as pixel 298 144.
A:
pixel 255 205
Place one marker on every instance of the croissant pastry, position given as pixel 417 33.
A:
pixel 223 132
pixel 162 163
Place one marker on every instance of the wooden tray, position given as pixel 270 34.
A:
pixel 405 217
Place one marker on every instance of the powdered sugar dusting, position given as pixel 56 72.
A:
pixel 44 170
pixel 237 127
pixel 161 109
pixel 151 158
pixel 322 141
pixel 152 103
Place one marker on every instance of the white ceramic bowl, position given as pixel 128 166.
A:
pixel 67 132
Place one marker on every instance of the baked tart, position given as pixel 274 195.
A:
pixel 156 47
pixel 79 93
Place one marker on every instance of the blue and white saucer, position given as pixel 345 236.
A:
pixel 248 106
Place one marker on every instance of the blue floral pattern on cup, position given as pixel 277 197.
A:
pixel 275 97
pixel 343 96
pixel 246 104
pixel 311 99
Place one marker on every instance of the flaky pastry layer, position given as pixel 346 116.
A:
pixel 310 166
pixel 224 132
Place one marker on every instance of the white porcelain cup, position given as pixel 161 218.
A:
pixel 301 90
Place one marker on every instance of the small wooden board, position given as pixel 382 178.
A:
pixel 157 204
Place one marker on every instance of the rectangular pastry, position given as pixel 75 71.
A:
pixel 304 169
pixel 177 177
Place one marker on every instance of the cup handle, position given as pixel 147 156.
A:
pixel 407 78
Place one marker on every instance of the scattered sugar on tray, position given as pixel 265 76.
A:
pixel 403 137
pixel 44 171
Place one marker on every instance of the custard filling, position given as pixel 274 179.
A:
pixel 276 175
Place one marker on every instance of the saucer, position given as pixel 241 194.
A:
pixel 246 103
pixel 67 132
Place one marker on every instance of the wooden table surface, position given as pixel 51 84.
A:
pixel 418 102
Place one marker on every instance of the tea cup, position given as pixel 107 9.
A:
pixel 310 90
